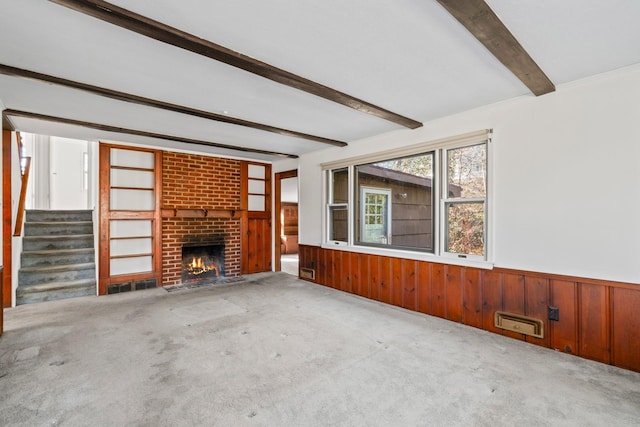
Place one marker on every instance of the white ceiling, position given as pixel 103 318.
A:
pixel 408 56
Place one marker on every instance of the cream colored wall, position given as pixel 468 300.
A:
pixel 565 176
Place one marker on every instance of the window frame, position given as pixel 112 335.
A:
pixel 328 196
pixel 440 182
pixel 446 201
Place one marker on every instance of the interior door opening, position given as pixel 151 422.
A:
pixel 287 222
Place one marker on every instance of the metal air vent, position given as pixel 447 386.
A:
pixel 519 323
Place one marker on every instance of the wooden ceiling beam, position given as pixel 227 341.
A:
pixel 109 128
pixel 6 123
pixel 156 30
pixel 127 97
pixel 481 21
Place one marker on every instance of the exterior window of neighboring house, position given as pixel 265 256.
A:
pixel 375 220
pixel 432 201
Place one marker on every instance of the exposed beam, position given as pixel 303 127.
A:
pixel 484 24
pixel 127 97
pixel 156 30
pixel 6 123
pixel 108 128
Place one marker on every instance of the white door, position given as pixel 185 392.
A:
pixel 375 217
pixel 69 174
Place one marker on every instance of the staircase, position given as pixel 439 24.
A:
pixel 58 259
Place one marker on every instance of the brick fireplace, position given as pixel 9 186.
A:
pixel 200 200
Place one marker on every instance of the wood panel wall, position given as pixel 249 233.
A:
pixel 1 308
pixel 7 218
pixel 599 320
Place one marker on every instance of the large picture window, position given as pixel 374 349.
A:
pixel 396 202
pixel 432 201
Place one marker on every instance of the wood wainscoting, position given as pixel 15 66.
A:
pixel 598 320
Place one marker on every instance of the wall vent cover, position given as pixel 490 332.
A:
pixel 307 273
pixel 519 323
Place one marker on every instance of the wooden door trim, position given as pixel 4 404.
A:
pixel 276 214
pixel 106 215
pixel 6 218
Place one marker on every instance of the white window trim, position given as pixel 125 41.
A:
pixel 443 229
pixel 327 189
pixel 438 255
pixel 328 228
pixel 444 200
pixel 470 138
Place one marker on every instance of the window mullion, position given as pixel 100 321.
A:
pixel 351 210
pixel 440 176
pixel 465 200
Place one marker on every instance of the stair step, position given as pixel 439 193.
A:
pixel 58 256
pixel 42 258
pixel 55 291
pixel 75 241
pixel 67 267
pixel 35 215
pixel 52 228
pixel 28 276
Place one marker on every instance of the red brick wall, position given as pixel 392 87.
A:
pixel 199 182
pixel 190 181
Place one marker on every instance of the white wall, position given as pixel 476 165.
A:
pixel 566 176
pixel 37 147
pixel 289 190
pixel 284 165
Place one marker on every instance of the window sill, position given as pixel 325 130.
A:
pixel 417 256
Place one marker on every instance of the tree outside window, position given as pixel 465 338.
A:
pixel 465 211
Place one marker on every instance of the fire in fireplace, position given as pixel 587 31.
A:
pixel 202 263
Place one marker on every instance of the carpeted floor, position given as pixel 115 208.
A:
pixel 275 351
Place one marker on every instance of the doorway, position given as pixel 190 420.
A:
pixel 69 166
pixel 286 201
pixel 60 173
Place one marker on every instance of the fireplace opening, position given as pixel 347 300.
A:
pixel 204 263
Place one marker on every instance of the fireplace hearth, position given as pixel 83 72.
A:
pixel 202 263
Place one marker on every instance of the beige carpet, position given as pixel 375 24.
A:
pixel 276 351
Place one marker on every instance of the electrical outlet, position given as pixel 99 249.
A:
pixel 554 313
